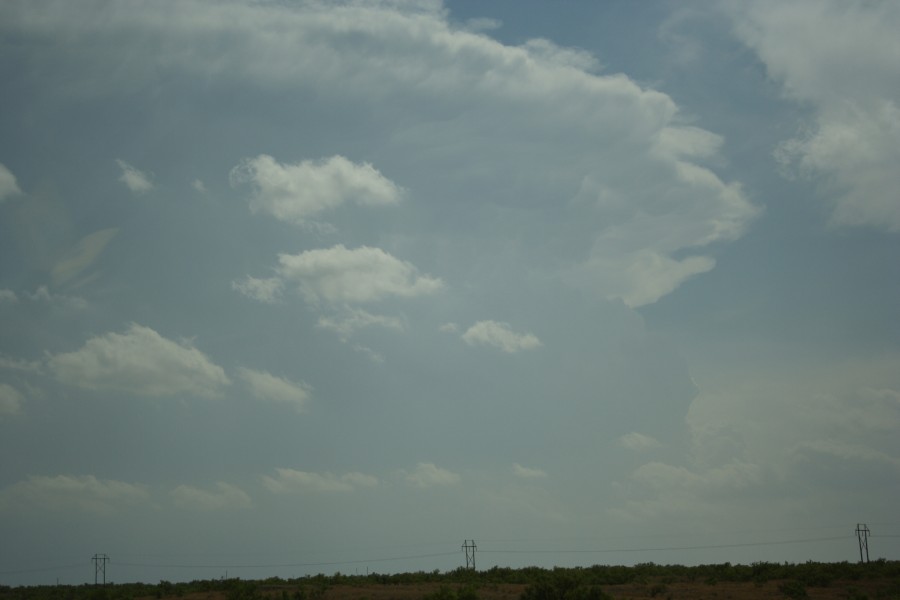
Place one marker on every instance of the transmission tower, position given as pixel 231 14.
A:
pixel 469 548
pixel 100 561
pixel 862 532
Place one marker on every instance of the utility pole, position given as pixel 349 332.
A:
pixel 862 532
pixel 469 548
pixel 100 561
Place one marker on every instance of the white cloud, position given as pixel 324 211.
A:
pixel 449 328
pixel 20 365
pixel 8 185
pixel 266 386
pixel 294 193
pixel 224 496
pixel 354 319
pixel 428 474
pixel 342 275
pixel 290 480
pixel 82 255
pixel 10 400
pixel 8 296
pixel 477 118
pixel 836 57
pixel 499 335
pixel 135 180
pixel 264 290
pixel 67 492
pixel 199 186
pixel 527 472
pixel 639 442
pixel 139 361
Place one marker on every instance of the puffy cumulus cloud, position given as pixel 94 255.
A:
pixel 428 474
pixel 532 131
pixel 82 255
pixel 139 361
pixel 639 442
pixel 8 185
pixel 263 290
pixel 72 492
pixel 499 335
pixel 265 386
pixel 136 181
pixel 294 193
pixel 342 275
pixel 223 496
pixel 528 472
pixel 290 480
pixel 837 58
pixel 10 400
pixel 353 319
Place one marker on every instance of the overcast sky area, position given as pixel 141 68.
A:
pixel 292 287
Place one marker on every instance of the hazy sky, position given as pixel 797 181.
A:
pixel 291 287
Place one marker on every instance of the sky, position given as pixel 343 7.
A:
pixel 290 287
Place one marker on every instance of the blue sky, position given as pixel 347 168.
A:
pixel 299 287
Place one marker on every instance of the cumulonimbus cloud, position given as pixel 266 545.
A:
pixel 618 168
pixel 837 60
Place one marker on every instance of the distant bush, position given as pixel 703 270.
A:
pixel 793 589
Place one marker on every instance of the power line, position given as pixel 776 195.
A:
pixel 668 548
pixel 285 565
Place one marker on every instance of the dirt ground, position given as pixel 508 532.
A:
pixel 837 590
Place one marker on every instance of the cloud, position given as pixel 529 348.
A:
pixel 8 185
pixel 528 473
pixel 478 120
pixel 449 328
pixel 8 296
pixel 294 193
pixel 199 186
pixel 834 57
pixel 290 480
pixel 499 335
pixel 354 319
pixel 10 400
pixel 136 181
pixel 139 361
pixel 265 386
pixel 264 290
pixel 67 492
pixel 639 442
pixel 20 365
pixel 428 474
pixel 342 275
pixel 82 255
pixel 224 496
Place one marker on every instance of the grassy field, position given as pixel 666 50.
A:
pixel 832 581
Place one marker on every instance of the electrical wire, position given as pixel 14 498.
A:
pixel 667 548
